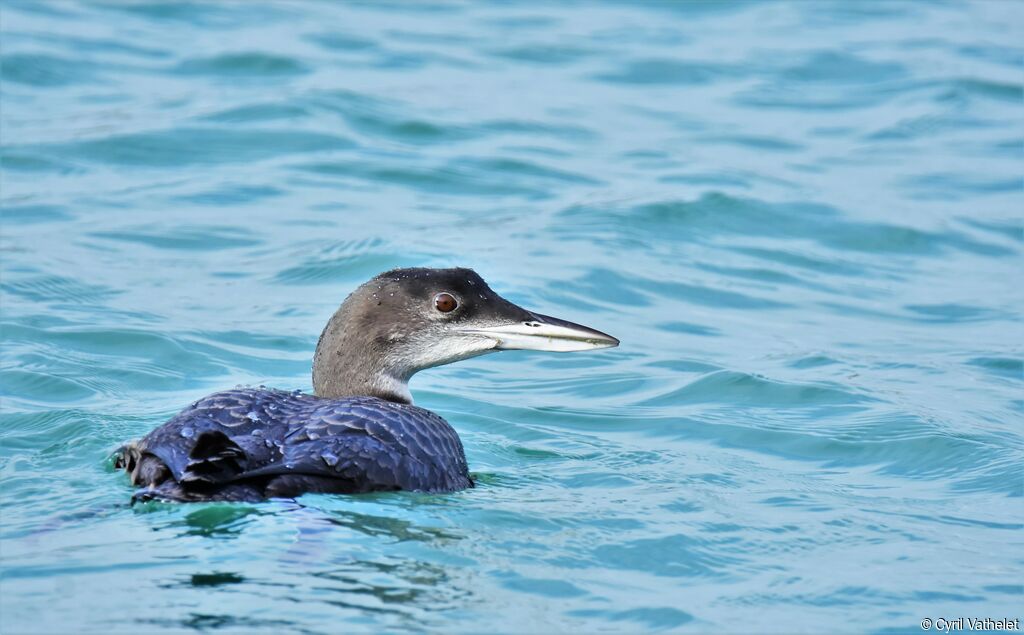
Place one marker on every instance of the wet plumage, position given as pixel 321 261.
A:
pixel 250 444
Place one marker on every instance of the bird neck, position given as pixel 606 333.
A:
pixel 350 363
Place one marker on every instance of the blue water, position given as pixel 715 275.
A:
pixel 802 219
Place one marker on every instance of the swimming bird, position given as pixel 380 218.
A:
pixel 359 431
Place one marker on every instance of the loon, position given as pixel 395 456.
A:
pixel 359 431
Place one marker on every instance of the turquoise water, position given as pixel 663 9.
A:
pixel 803 220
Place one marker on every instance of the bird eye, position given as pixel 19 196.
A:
pixel 445 302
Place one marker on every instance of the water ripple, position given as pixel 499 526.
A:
pixel 234 65
pixel 192 146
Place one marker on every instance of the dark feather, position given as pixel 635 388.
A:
pixel 248 444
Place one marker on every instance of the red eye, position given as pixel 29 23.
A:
pixel 445 302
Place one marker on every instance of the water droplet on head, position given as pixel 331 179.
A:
pixel 187 432
pixel 253 416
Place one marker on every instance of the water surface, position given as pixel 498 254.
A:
pixel 803 220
